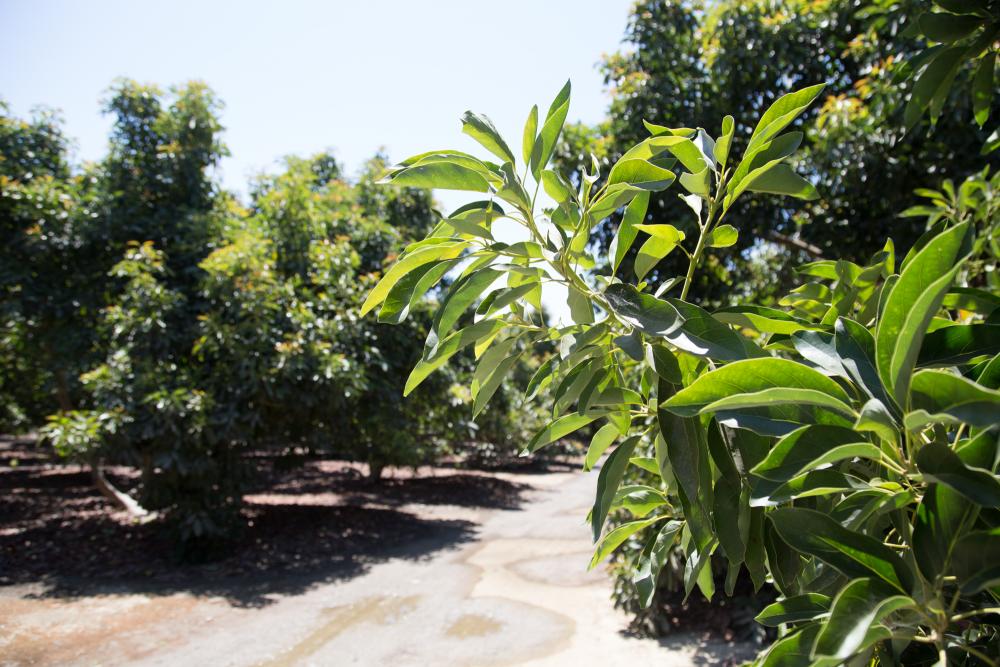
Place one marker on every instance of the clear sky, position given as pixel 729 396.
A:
pixel 299 77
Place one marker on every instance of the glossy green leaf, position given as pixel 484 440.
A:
pixel 852 553
pixel 641 174
pixel 722 236
pixel 724 142
pixel 811 447
pixel 984 88
pixel 644 312
pixel 750 376
pixel 407 263
pixel 447 348
pixel 941 518
pixel 910 306
pixel 795 609
pixel 652 562
pixel 859 605
pixel 635 213
pixel 654 249
pixel 779 396
pixel 616 537
pixel 603 439
pixel 560 428
pixel 608 481
pixel 941 464
pixel 959 344
pixel 782 112
pixel 780 179
pixel 940 392
pixel 481 129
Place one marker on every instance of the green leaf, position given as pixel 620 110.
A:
pixel 580 308
pixel 959 344
pixel 852 553
pixel 940 392
pixel 780 114
pixel 642 311
pixel 463 293
pixel 811 447
pixel 933 83
pixel 614 539
pixel 407 263
pixel 545 143
pixel 749 376
pixel 448 347
pixel 944 27
pixel 650 565
pixel 560 428
pixel 530 132
pixel 410 288
pixel 605 435
pixel 983 88
pixel 857 607
pixel 616 196
pixel 795 609
pixel 608 481
pixel 663 240
pixel 698 184
pixel 641 174
pixel 441 174
pixel 682 148
pixel 724 142
pixel 762 319
pixel 795 650
pixel 639 500
pixel 780 179
pixel 726 514
pixel 722 236
pixel 912 303
pixel 703 335
pixel 941 518
pixel 481 128
pixel 940 464
pixel 483 391
pixel 635 213
pixel 976 561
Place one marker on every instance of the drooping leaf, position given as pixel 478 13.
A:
pixel 780 179
pixel 407 263
pixel 940 463
pixel 616 537
pixel 647 313
pixel 603 439
pixel 635 213
pixel 448 347
pixel 608 481
pixel 650 565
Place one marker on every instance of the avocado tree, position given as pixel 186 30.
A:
pixel 843 446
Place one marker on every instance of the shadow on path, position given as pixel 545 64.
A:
pixel 314 524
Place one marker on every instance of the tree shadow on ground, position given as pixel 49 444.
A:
pixel 58 533
pixel 706 650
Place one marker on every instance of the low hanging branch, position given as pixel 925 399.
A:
pixel 795 244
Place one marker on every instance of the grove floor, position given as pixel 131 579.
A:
pixel 445 568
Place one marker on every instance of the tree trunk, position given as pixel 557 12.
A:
pixel 119 499
pixel 375 471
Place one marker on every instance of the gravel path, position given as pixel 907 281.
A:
pixel 517 593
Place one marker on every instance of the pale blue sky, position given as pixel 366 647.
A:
pixel 299 77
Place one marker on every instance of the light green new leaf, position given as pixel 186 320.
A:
pixel 530 133
pixel 481 128
pixel 780 114
pixel 605 435
pixel 722 236
pixel 749 376
pixel 780 179
pixel 545 143
pixel 724 142
pixel 641 174
pixel 655 248
pixel 441 174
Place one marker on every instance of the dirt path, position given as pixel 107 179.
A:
pixel 517 593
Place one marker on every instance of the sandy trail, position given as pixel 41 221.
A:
pixel 518 594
